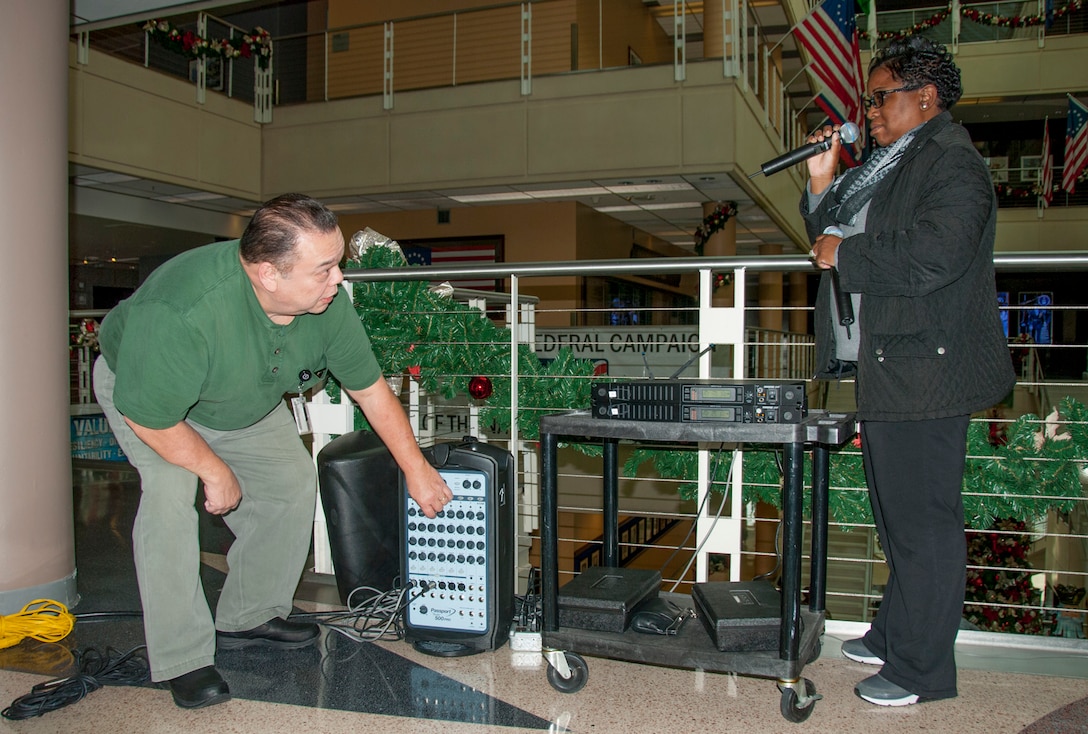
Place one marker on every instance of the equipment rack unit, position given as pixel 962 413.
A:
pixel 800 630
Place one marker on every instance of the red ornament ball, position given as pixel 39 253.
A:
pixel 479 387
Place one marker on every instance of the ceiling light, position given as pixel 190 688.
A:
pixel 481 198
pixel 674 205
pixel 93 179
pixel 357 206
pixel 557 193
pixel 194 196
pixel 625 208
pixel 627 188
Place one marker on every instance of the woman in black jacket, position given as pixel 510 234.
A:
pixel 910 234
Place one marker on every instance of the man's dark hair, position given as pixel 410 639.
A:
pixel 273 232
pixel 917 61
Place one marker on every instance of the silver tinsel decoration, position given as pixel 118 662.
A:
pixel 363 240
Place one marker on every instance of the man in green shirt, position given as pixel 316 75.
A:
pixel 192 376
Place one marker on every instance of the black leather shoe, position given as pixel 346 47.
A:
pixel 201 687
pixel 276 632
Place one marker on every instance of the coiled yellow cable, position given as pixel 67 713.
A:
pixel 42 619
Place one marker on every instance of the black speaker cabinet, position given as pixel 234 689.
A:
pixel 360 493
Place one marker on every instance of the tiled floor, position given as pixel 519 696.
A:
pixel 341 685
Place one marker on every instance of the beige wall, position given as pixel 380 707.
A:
pixel 1012 68
pixel 1059 229
pixel 622 123
pixel 532 233
pixel 127 119
pixel 539 232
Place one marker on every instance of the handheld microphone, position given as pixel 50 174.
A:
pixel 842 300
pixel 848 133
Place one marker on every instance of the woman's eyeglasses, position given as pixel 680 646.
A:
pixel 877 99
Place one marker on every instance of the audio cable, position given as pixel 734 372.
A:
pixel 95 669
pixel 377 617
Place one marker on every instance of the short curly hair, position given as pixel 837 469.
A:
pixel 918 61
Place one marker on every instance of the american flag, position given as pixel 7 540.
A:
pixel 830 36
pixel 1047 183
pixel 454 256
pixel 1076 143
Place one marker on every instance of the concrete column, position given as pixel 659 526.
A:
pixel 770 293
pixel 798 319
pixel 37 547
pixel 713 45
pixel 770 317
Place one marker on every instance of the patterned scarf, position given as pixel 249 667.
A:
pixel 855 188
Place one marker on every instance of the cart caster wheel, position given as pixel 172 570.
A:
pixel 798 706
pixel 579 674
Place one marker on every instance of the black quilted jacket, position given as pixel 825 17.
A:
pixel 932 344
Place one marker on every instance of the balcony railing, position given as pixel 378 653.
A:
pixel 527 40
pixel 1050 536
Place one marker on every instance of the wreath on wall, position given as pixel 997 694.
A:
pixel 712 223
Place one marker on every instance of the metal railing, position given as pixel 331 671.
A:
pixel 1045 521
pixel 956 22
pixel 1052 543
pixel 533 39
pixel 505 41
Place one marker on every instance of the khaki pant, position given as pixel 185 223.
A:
pixel 272 527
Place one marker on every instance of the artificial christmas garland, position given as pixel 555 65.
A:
pixel 713 222
pixel 256 45
pixel 1021 470
pixel 973 14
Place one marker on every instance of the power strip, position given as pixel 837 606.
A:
pixel 522 640
pixel 525 647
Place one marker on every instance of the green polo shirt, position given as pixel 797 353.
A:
pixel 193 342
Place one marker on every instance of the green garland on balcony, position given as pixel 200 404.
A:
pixel 1021 469
pixel 982 18
pixel 420 332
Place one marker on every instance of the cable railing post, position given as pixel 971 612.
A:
pixel 387 67
pixel 679 42
pixel 526 49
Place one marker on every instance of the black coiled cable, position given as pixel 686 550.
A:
pixel 95 670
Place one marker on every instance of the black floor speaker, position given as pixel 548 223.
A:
pixel 360 493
